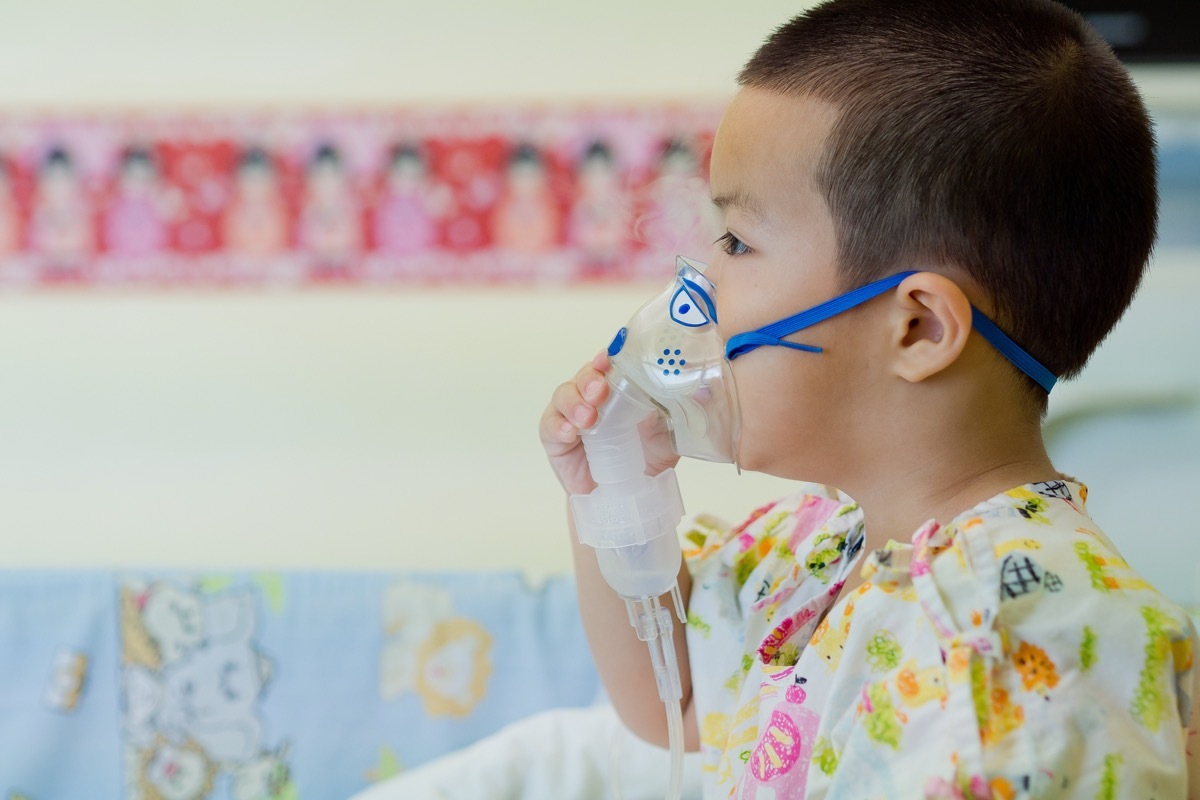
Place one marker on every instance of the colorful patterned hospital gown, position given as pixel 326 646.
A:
pixel 1009 654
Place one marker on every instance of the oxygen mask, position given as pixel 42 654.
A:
pixel 671 352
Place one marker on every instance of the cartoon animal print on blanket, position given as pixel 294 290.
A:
pixel 193 679
pixel 68 679
pixel 443 658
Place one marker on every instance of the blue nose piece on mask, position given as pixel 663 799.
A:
pixel 618 342
pixel 773 334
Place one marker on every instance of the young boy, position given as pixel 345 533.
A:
pixel 946 635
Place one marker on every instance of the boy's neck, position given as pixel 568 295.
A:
pixel 945 463
pixel 938 491
pixel 898 511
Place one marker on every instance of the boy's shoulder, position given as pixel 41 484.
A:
pixel 1033 546
pixel 1033 541
pixel 1029 571
pixel 1022 609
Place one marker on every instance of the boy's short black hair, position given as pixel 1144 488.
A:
pixel 1002 137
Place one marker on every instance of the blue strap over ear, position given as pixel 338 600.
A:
pixel 773 334
pixel 1012 351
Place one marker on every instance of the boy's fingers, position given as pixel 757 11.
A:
pixel 573 404
pixel 592 389
pixel 569 402
pixel 569 407
pixel 557 433
pixel 592 386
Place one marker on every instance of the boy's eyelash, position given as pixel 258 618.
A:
pixel 732 245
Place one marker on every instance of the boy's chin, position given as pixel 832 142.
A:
pixel 807 470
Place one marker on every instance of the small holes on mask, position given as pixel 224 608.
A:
pixel 669 356
pixel 670 362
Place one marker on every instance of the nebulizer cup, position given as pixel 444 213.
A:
pixel 667 360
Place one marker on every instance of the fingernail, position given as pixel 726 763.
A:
pixel 593 388
pixel 567 429
pixel 581 414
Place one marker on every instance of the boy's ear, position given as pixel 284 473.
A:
pixel 931 322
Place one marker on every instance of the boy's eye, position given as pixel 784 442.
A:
pixel 732 245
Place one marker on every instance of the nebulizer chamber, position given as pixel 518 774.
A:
pixel 668 360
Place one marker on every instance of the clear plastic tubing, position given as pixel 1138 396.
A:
pixel 631 521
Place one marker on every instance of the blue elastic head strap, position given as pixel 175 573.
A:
pixel 773 334
pixel 1012 351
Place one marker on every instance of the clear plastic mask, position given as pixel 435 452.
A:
pixel 671 351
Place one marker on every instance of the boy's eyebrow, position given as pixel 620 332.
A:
pixel 741 200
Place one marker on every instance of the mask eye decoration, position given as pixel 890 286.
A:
pixel 690 307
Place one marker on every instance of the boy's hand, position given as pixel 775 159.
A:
pixel 573 407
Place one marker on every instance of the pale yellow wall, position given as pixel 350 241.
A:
pixel 312 428
pixel 218 52
pixel 96 53
pixel 320 428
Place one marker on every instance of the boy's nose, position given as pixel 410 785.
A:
pixel 712 271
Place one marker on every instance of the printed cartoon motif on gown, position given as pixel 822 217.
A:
pixel 917 686
pixel 1107 570
pixel 730 737
pixel 1038 673
pixel 756 565
pixel 830 637
pixel 879 716
pixel 998 713
pixel 780 760
pixel 884 651
pixel 1167 655
pixel 1021 502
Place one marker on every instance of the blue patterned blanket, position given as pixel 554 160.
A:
pixel 274 686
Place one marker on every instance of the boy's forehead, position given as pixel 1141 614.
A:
pixel 767 147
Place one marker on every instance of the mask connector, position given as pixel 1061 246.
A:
pixel 654 627
pixel 631 519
